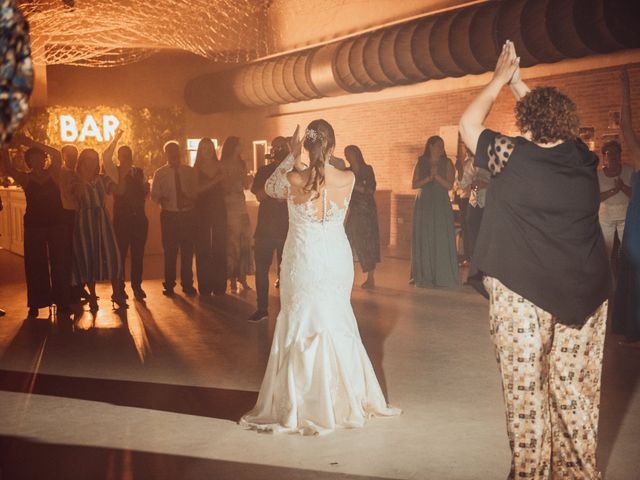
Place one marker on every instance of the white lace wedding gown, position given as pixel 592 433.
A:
pixel 319 376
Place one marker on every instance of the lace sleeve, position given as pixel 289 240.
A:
pixel 277 185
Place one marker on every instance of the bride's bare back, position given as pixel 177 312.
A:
pixel 335 192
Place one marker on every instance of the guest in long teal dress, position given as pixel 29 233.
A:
pixel 434 260
pixel 626 306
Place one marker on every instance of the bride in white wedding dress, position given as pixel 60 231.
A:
pixel 319 376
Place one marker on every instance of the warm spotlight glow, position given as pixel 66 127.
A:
pixel 102 33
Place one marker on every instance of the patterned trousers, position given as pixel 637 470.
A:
pixel 551 385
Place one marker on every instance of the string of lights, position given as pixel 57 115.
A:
pixel 103 33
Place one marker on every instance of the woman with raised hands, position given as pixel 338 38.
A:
pixel 545 267
pixel 318 376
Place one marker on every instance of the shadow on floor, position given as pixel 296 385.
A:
pixel 620 374
pixel 27 459
pixel 201 401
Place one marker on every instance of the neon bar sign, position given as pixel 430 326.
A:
pixel 71 131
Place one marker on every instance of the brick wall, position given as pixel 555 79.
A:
pixel 392 133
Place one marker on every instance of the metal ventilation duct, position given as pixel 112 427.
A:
pixel 450 44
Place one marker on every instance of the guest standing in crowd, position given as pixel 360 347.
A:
pixel 129 219
pixel 546 272
pixel 239 257
pixel 174 188
pixel 476 180
pixel 16 76
pixel 271 230
pixel 434 260
pixel 362 220
pixel 45 262
pixel 615 191
pixel 70 193
pixel 95 249
pixel 211 226
pixel 462 195
pixel 2 312
pixel 626 307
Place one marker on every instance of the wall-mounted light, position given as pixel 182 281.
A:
pixel 260 150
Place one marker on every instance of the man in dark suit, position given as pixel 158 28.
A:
pixel 271 230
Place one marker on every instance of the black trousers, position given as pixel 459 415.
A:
pixel 69 221
pixel 131 233
pixel 47 266
pixel 177 234
pixel 474 220
pixel 211 252
pixel 264 248
pixel 463 204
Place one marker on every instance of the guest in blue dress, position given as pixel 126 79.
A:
pixel 626 307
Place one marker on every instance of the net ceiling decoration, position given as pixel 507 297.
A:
pixel 102 33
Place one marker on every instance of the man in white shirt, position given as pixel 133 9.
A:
pixel 615 192
pixel 174 188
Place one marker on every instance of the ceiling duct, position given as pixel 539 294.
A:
pixel 449 44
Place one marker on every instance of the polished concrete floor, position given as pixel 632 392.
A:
pixel 155 393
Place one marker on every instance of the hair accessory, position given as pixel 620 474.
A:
pixel 311 134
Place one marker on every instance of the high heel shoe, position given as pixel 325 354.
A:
pixel 139 293
pixel 120 301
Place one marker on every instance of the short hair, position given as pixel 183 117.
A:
pixel 70 149
pixel 125 150
pixel 612 145
pixel 548 115
pixel 170 142
pixel 30 153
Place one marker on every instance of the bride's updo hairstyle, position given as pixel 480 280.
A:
pixel 319 141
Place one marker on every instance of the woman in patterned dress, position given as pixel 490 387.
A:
pixel 95 250
pixel 362 221
pixel 239 235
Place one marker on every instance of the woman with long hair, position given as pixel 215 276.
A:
pixel 239 238
pixel 434 260
pixel 95 249
pixel 211 221
pixel 319 376
pixel 362 220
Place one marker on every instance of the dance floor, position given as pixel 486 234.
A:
pixel 155 393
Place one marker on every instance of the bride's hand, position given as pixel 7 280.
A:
pixel 508 64
pixel 296 150
pixel 296 143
